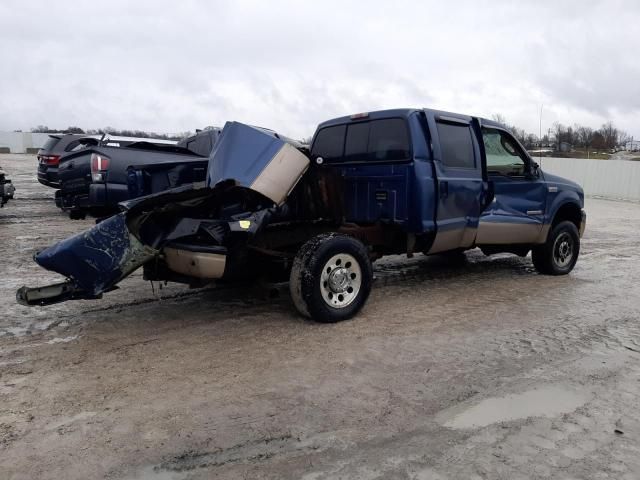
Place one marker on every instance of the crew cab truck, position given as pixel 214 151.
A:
pixel 372 184
pixel 95 179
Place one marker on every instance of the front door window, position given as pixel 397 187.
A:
pixel 503 154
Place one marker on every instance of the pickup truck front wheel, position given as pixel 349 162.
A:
pixel 331 278
pixel 559 254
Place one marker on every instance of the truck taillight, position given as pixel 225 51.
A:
pixel 99 167
pixel 52 160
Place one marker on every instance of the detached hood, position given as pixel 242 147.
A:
pixel 257 159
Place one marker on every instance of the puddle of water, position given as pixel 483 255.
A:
pixel 10 385
pixel 153 473
pixel 24 330
pixel 27 237
pixel 67 420
pixel 548 401
pixel 62 340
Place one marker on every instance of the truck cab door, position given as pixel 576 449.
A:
pixel 461 186
pixel 517 212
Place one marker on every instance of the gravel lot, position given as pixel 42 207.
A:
pixel 480 370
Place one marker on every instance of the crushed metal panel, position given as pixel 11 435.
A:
pixel 98 258
pixel 256 159
pixel 275 180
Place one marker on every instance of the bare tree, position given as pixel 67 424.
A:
pixel 598 141
pixel 498 117
pixel 558 131
pixel 43 129
pixel 623 137
pixel 610 134
pixel 585 136
pixel 73 130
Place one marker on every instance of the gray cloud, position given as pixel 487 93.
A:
pixel 174 66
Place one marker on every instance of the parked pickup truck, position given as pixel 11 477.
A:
pixel 95 179
pixel 372 184
pixel 58 145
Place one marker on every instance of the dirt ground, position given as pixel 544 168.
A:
pixel 480 370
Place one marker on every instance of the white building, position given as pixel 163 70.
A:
pixel 22 142
pixel 632 146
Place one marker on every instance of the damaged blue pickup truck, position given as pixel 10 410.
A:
pixel 371 184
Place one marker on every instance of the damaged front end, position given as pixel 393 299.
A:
pixel 191 234
pixel 93 261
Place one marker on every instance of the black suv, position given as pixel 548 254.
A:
pixel 49 155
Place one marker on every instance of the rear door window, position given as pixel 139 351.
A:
pixel 389 140
pixel 329 144
pixel 456 145
pixel 74 146
pixel 50 143
pixel 374 141
pixel 356 146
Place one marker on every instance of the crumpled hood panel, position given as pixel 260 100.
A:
pixel 97 258
pixel 256 159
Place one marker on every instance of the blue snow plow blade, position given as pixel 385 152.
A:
pixel 93 262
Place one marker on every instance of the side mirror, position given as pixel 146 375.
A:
pixel 534 171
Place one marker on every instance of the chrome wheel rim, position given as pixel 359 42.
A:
pixel 340 280
pixel 563 250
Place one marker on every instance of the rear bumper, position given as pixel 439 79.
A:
pixel 206 262
pixel 583 223
pixel 107 194
pixel 49 177
pixel 99 197
pixel 70 202
pixel 195 264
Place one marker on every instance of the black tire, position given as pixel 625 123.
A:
pixel 77 215
pixel 559 254
pixel 455 257
pixel 313 288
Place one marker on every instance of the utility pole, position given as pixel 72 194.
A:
pixel 540 137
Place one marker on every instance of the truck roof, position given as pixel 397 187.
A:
pixel 398 112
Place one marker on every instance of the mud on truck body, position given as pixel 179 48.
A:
pixel 390 182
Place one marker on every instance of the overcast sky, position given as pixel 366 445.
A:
pixel 180 65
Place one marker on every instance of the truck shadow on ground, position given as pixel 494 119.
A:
pixel 258 300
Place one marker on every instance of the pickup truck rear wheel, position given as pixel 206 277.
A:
pixel 559 254
pixel 331 278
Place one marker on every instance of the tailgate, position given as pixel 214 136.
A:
pixel 74 172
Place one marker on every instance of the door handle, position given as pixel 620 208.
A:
pixel 444 189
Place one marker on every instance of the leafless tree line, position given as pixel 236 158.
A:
pixel 111 131
pixel 607 137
